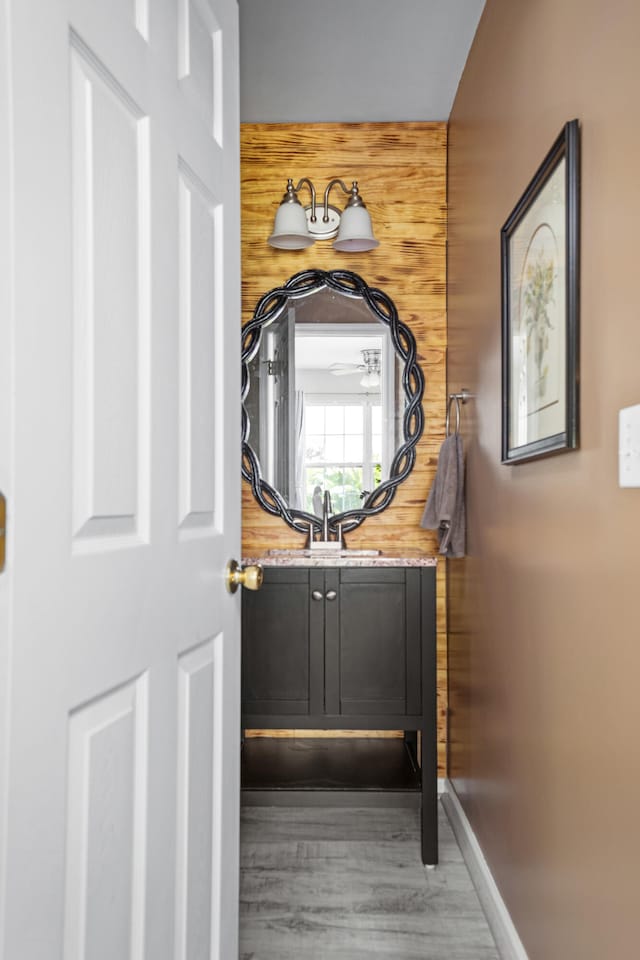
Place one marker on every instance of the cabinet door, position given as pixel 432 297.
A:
pixel 378 654
pixel 280 644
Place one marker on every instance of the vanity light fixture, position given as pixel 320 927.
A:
pixel 297 227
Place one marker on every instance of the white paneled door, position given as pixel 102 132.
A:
pixel 119 459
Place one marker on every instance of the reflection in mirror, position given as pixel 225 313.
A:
pixel 346 422
pixel 332 397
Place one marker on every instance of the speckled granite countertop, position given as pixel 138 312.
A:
pixel 299 558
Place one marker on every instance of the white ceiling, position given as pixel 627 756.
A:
pixel 319 353
pixel 350 61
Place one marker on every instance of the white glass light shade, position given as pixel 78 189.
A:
pixel 355 233
pixel 370 380
pixel 290 230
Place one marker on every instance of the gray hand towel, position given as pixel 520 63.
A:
pixel 444 510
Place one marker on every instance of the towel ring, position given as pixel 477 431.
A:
pixel 456 398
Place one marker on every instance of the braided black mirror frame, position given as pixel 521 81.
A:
pixel 269 308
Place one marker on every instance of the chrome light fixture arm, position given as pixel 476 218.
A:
pixel 355 198
pixel 291 196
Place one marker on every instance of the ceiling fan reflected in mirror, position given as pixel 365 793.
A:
pixel 370 367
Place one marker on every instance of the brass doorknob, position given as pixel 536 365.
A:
pixel 250 577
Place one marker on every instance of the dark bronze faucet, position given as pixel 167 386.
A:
pixel 326 511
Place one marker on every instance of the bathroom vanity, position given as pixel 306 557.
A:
pixel 336 640
pixel 344 642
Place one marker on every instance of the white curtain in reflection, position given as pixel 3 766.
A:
pixel 299 450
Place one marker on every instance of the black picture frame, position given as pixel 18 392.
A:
pixel 540 262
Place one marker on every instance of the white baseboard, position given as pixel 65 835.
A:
pixel 504 933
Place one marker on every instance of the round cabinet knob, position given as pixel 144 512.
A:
pixel 249 577
pixel 331 594
pixel 316 595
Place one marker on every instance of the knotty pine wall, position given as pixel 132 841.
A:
pixel 401 172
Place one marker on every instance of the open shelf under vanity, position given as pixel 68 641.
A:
pixel 362 771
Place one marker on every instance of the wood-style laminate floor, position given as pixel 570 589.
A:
pixel 319 883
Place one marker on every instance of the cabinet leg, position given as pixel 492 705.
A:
pixel 429 842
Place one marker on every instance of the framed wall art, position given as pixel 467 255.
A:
pixel 540 308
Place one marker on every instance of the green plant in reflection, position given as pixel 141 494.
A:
pixel 344 484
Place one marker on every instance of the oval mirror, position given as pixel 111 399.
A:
pixel 331 400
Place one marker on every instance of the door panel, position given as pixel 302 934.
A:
pixel 200 61
pixel 110 263
pixel 120 806
pixel 198 350
pixel 106 825
pixel 194 893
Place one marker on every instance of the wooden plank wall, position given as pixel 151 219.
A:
pixel 401 172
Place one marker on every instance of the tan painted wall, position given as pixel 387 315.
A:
pixel 544 632
pixel 401 169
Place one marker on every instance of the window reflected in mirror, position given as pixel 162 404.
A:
pixel 324 397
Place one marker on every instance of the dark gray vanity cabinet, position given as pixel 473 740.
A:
pixel 333 643
pixel 345 648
